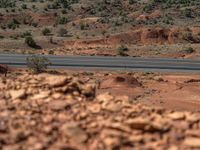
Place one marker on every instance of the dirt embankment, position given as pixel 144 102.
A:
pixel 144 36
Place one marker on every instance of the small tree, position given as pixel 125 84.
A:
pixel 121 50
pixel 46 31
pixel 37 64
pixel 30 41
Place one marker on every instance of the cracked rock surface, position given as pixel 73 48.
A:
pixel 39 112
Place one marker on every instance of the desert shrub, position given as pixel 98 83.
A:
pixel 3 27
pixel 30 42
pixel 64 11
pixel 50 39
pixel 188 13
pixel 14 36
pixel 33 6
pixel 37 64
pixel 13 24
pixel 34 24
pixel 51 52
pixel 13 10
pixel 62 32
pixel 82 26
pixel 152 4
pixel 149 7
pixel 122 49
pixel 7 3
pixel 25 34
pixel 1 36
pixel 132 2
pixel 62 20
pixel 46 31
pixel 189 50
pixel 24 6
pixel 188 36
pixel 103 32
pixel 168 20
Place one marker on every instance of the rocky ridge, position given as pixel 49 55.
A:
pixel 60 112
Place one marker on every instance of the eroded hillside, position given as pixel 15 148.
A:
pixel 101 27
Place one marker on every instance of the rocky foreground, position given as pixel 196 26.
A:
pixel 39 112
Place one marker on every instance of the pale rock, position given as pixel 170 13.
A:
pixel 158 126
pixel 112 106
pixel 111 142
pixel 95 108
pixel 193 133
pixel 15 94
pixel 173 147
pixel 57 95
pixel 57 81
pixel 74 132
pixel 58 105
pixel 138 123
pixel 192 118
pixel 158 78
pixel 105 97
pixel 192 142
pixel 176 116
pixel 136 138
pixel 41 95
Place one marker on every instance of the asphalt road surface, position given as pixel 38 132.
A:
pixel 109 63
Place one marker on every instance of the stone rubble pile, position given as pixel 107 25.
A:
pixel 63 113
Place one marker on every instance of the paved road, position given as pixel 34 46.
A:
pixel 111 63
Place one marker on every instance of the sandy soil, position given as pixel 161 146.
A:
pixel 173 91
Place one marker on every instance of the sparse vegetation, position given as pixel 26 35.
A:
pixel 62 20
pixel 189 50
pixel 37 64
pixel 7 3
pixel 121 50
pixel 46 31
pixel 26 34
pixel 170 21
pixel 1 36
pixel 13 24
pixel 24 6
pixel 30 42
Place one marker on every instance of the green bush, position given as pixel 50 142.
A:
pixel 62 20
pixel 189 50
pixel 14 36
pixel 13 24
pixel 37 64
pixel 46 31
pixel 25 34
pixel 132 2
pixel 188 13
pixel 1 36
pixel 24 6
pixel 122 49
pixel 7 3
pixel 30 42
